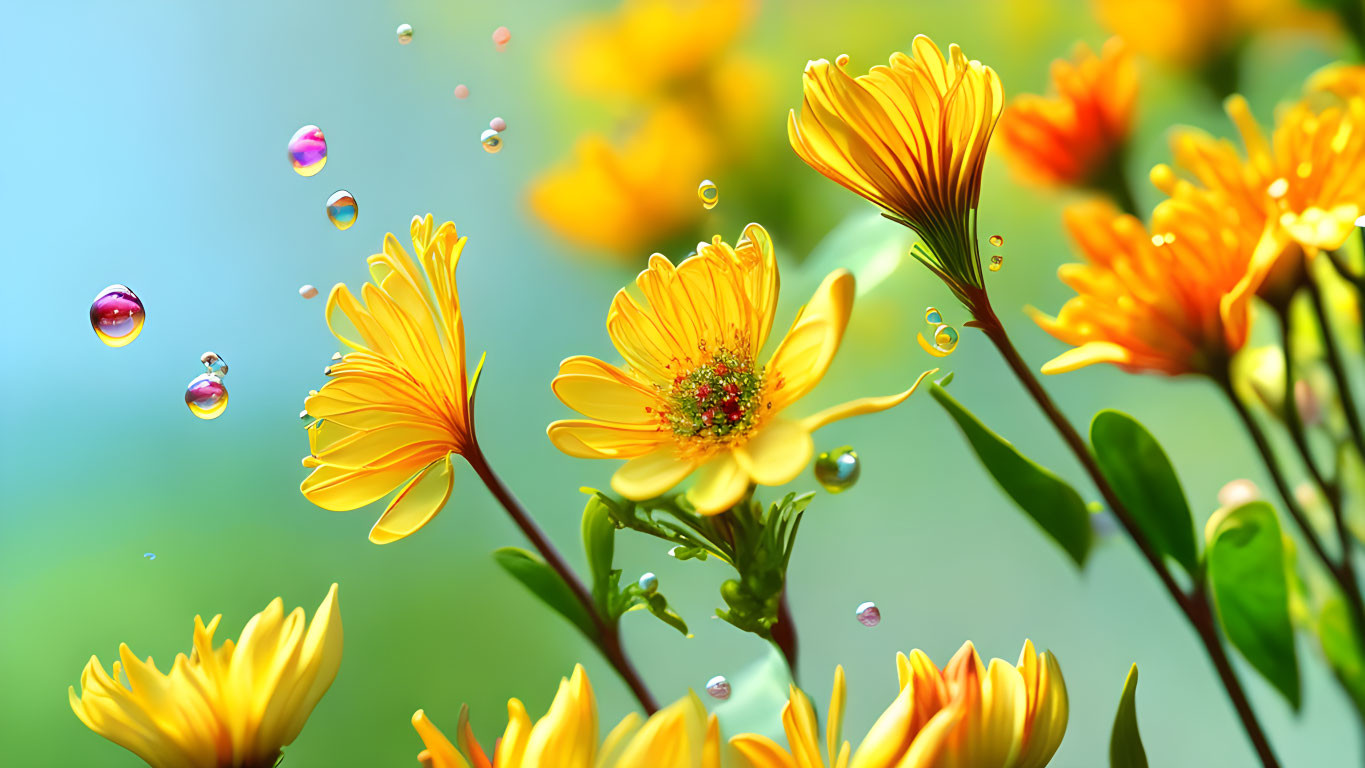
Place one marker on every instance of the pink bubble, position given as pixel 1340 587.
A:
pixel 502 35
pixel 461 91
pixel 498 124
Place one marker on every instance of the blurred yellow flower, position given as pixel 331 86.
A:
pixel 621 197
pixel 234 706
pixel 911 137
pixel 693 395
pixel 1174 300
pixel 678 736
pixel 646 47
pixel 398 405
pixel 1077 136
pixel 967 716
pixel 1344 81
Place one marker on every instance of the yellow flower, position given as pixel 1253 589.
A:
pixel 967 716
pixel 678 736
pixel 648 46
pixel 911 137
pixel 1077 136
pixel 234 706
pixel 1344 81
pixel 693 395
pixel 398 405
pixel 624 196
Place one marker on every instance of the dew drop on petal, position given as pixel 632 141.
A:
pixel 997 261
pixel 342 209
pixel 206 396
pixel 303 415
pixel 997 240
pixel 308 291
pixel 336 355
pixel 868 614
pixel 708 193
pixel 214 364
pixel 1277 188
pixel 492 142
pixel 718 687
pixel 461 91
pixel 648 583
pixel 498 124
pixel 308 150
pixel 502 36
pixel 838 470
pixel 932 316
pixel 404 33
pixel 117 315
pixel 945 338
pixel 841 60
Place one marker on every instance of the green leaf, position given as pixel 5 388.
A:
pixel 658 605
pixel 1342 649
pixel 1043 496
pixel 545 584
pixel 1125 743
pixel 759 690
pixel 1144 480
pixel 1245 555
pixel 599 544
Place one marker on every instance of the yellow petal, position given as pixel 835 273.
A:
pixel 761 751
pixel 861 406
pixel 806 352
pixel 777 452
pixel 1088 353
pixel 720 485
pixel 653 474
pixel 601 391
pixel 890 737
pixel 834 725
pixel 586 439
pixel 441 753
pixel 415 503
pixel 343 489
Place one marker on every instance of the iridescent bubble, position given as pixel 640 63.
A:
pixel 996 261
pixel 404 33
pixel 841 60
pixel 838 470
pixel 308 291
pixel 492 142
pixel 648 583
pixel 117 315
pixel 206 396
pixel 149 555
pixel 342 209
pixel 868 614
pixel 932 316
pixel 214 364
pixel 718 687
pixel 502 36
pixel 945 338
pixel 498 124
pixel 461 91
pixel 308 150
pixel 708 193
pixel 997 240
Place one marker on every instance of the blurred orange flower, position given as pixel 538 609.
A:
pixel 1077 136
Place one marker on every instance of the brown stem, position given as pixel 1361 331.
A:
pixel 784 633
pixel 608 639
pixel 1195 605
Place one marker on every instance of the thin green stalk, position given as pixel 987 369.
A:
pixel 1294 420
pixel 1334 361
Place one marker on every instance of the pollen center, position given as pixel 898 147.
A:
pixel 718 400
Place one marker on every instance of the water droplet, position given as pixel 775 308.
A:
pixel 308 291
pixel 932 316
pixel 214 364
pixel 996 262
pixel 461 91
pixel 718 687
pixel 498 124
pixel 997 240
pixel 404 33
pixel 674 551
pixel 648 583
pixel 149 555
pixel 868 614
pixel 838 470
pixel 206 396
pixel 1277 188
pixel 327 370
pixel 708 193
pixel 502 36
pixel 308 150
pixel 336 355
pixel 945 338
pixel 303 415
pixel 342 209
pixel 117 314
pixel 492 142
pixel 1360 222
pixel 841 60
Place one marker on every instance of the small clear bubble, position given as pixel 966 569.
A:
pixel 997 240
pixel 718 687
pixel 214 364
pixel 945 338
pixel 116 315
pixel 932 316
pixel 708 193
pixel 308 291
pixel 868 614
pixel 404 33
pixel 838 470
pixel 308 150
pixel 206 396
pixel 997 261
pixel 342 209
pixel 648 583
pixel 336 355
pixel 492 142
pixel 149 555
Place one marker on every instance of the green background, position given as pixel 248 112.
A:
pixel 144 144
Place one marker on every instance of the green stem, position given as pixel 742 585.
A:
pixel 1294 421
pixel 1334 361
pixel 1113 181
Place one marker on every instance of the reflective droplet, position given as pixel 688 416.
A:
pixel 492 142
pixel 214 364
pixel 327 370
pixel 841 60
pixel 718 687
pixel 1360 222
pixel 149 555
pixel 932 316
pixel 336 355
pixel 1277 188
pixel 996 262
pixel 308 150
pixel 308 291
pixel 648 583
pixel 502 36
pixel 945 338
pixel 674 551
pixel 868 614
pixel 461 91
pixel 498 124
pixel 303 415
pixel 997 240
pixel 708 193
pixel 117 315
pixel 838 470
pixel 206 396
pixel 342 209
pixel 404 33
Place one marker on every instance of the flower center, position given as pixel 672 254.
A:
pixel 718 399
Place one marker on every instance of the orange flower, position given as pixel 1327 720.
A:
pixel 1173 300
pixel 1344 81
pixel 1077 136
